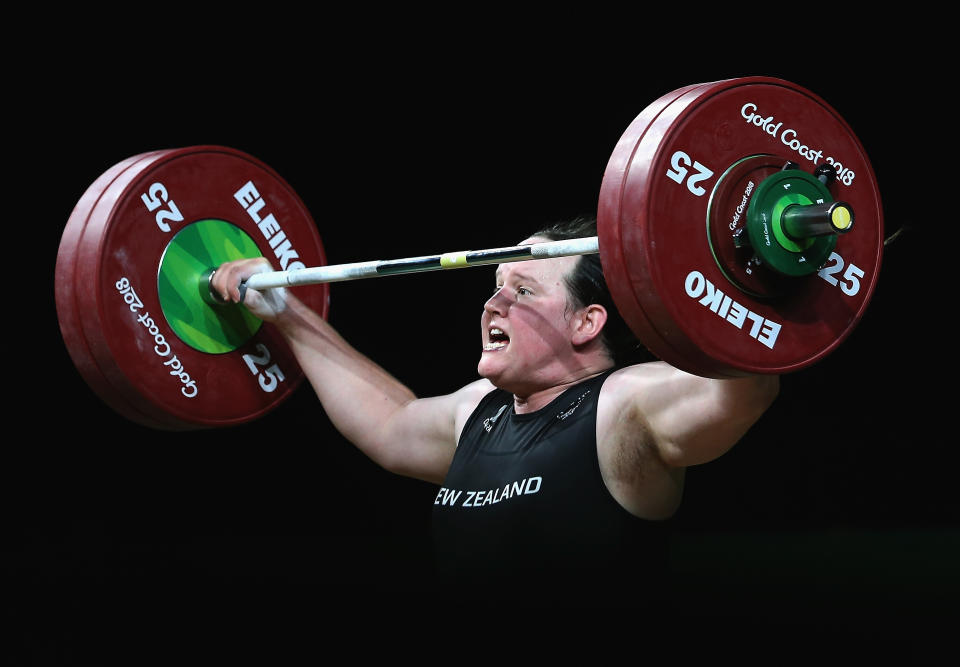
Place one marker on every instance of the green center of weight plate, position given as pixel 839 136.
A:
pixel 195 249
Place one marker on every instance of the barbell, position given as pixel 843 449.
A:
pixel 725 227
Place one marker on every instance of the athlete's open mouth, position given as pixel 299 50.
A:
pixel 497 339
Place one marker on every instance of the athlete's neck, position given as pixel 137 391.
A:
pixel 541 398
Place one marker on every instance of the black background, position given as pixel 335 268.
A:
pixel 838 511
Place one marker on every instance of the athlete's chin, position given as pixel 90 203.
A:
pixel 492 368
pixel 487 370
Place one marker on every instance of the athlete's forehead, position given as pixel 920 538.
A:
pixel 537 272
pixel 517 273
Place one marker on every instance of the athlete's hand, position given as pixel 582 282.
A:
pixel 267 304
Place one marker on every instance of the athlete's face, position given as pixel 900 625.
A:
pixel 527 324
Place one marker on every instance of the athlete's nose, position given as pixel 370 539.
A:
pixel 498 304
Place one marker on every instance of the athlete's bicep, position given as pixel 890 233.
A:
pixel 420 439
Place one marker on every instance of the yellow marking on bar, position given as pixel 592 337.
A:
pixel 453 260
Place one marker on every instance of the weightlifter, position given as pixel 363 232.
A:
pixel 559 466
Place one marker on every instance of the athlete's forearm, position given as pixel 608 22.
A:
pixel 358 395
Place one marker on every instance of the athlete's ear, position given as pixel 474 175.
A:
pixel 588 323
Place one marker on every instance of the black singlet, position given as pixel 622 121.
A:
pixel 524 504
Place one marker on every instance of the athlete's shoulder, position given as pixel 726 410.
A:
pixel 476 391
pixel 630 378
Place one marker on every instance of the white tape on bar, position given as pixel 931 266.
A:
pixel 314 275
pixel 584 246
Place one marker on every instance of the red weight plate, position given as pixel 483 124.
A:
pixel 713 326
pixel 68 314
pixel 117 261
pixel 619 262
pixel 615 265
